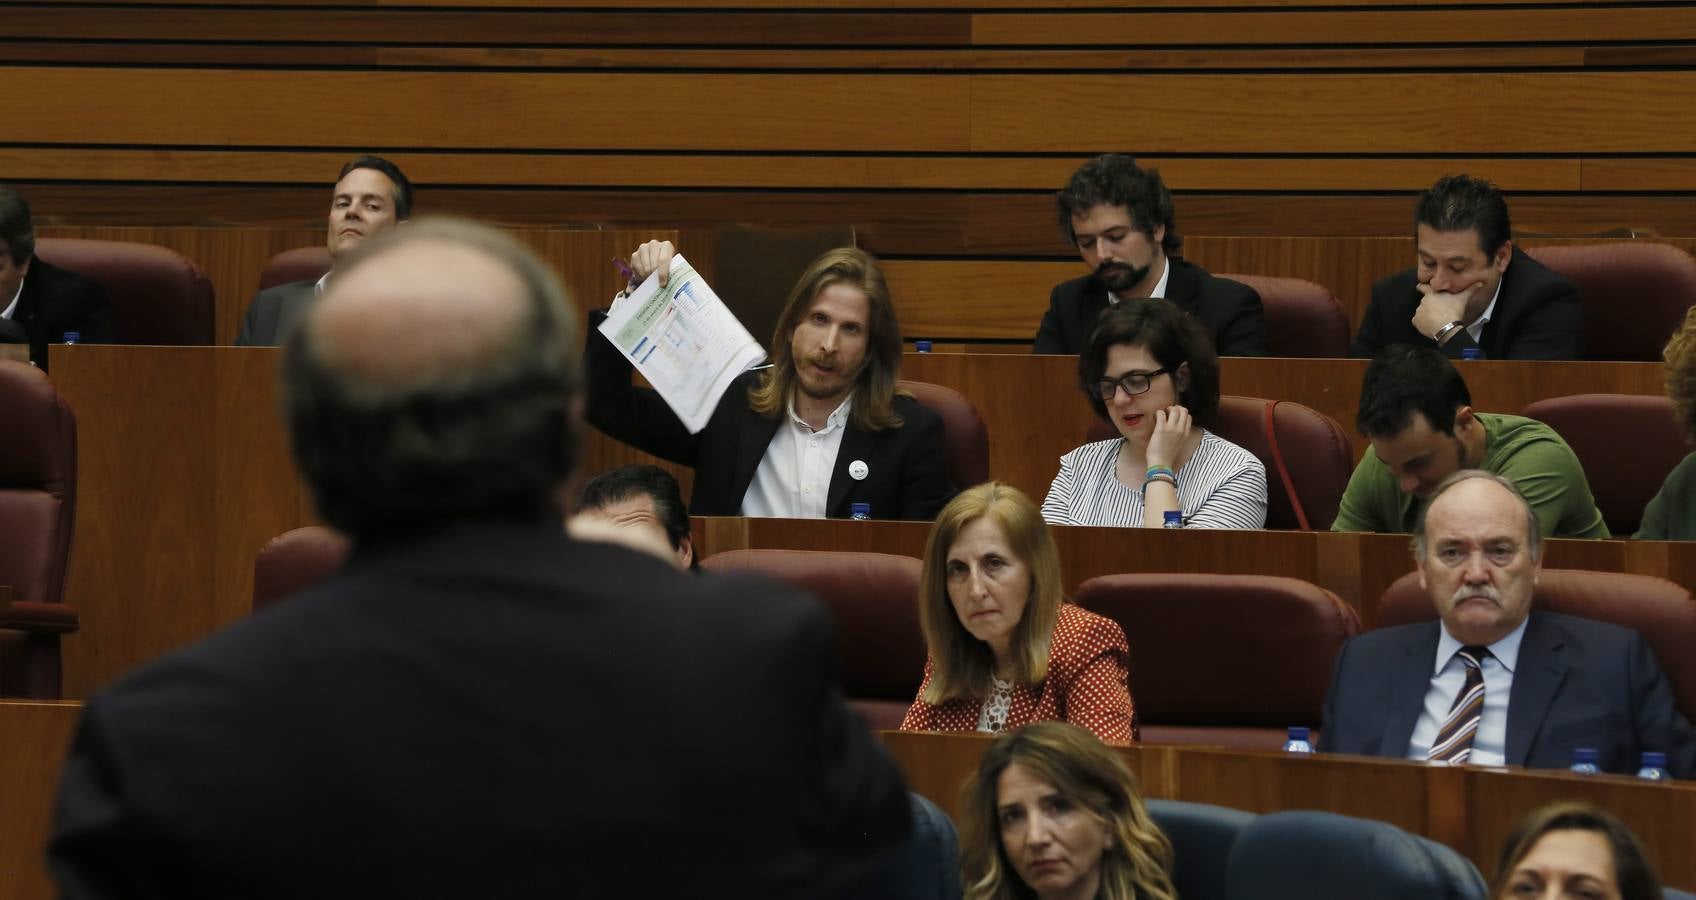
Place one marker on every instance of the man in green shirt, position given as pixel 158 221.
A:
pixel 1417 412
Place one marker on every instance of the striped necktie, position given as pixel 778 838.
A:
pixel 1454 740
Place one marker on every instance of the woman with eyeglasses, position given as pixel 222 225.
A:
pixel 1150 370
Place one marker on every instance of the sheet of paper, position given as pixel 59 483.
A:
pixel 684 340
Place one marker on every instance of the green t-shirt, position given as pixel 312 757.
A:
pixel 1671 516
pixel 1524 451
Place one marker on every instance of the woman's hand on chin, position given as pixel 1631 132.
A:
pixel 1166 441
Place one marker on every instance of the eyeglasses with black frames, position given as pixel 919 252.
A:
pixel 1132 383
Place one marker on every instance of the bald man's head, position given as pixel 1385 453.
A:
pixel 435 381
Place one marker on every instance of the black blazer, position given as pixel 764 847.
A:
pixel 54 301
pixel 273 312
pixel 1578 683
pixel 492 710
pixel 1537 316
pixel 907 474
pixel 1229 310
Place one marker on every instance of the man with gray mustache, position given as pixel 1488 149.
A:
pixel 1492 682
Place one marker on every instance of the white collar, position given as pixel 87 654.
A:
pixel 1506 650
pixel 323 282
pixel 835 420
pixel 1476 329
pixel 12 307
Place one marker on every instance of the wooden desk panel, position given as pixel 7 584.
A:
pixel 1468 809
pixel 33 741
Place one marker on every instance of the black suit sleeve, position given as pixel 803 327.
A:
pixel 860 805
pixel 103 844
pixel 1553 330
pixel 92 315
pixel 1373 334
pixel 925 487
pixel 1049 337
pixel 1243 332
pixel 1660 726
pixel 638 417
pixel 1328 714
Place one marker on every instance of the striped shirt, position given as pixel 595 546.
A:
pixel 1222 486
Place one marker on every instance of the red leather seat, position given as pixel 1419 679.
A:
pixel 1658 609
pixel 157 295
pixel 874 600
pixel 1306 453
pixel 296 560
pixel 300 264
pixel 1634 294
pixel 38 501
pixel 963 431
pixel 1224 659
pixel 1626 443
pixel 1302 318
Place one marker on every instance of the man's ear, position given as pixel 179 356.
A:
pixel 1504 254
pixel 1159 236
pixel 686 551
pixel 1465 419
pixel 23 267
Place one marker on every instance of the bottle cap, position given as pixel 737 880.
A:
pixel 1174 517
pixel 1471 353
pixel 860 510
pixel 1299 732
pixel 1585 755
pixel 1654 760
pixel 72 337
pixel 922 346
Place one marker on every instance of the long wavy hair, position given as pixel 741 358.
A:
pixel 961 665
pixel 875 390
pixel 1136 864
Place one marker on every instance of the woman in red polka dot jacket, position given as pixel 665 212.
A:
pixel 1005 647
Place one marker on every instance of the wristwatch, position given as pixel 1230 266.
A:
pixel 1444 332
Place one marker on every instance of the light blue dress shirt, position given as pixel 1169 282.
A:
pixel 1489 745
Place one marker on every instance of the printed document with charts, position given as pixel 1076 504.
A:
pixel 684 340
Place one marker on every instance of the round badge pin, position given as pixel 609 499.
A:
pixel 858 470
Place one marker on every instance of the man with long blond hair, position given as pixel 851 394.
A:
pixel 823 428
pixel 1671 516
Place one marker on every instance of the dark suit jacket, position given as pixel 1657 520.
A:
pixel 273 312
pixel 1537 316
pixel 54 301
pixel 1229 310
pixel 491 710
pixel 1578 683
pixel 907 474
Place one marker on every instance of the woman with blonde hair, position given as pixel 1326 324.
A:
pixel 1005 647
pixel 1053 813
pixel 1671 515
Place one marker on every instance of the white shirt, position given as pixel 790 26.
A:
pixel 13 306
pixel 323 282
pixel 793 480
pixel 1159 292
pixel 1489 745
pixel 1476 329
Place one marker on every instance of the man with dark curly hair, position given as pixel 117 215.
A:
pixel 1120 217
pixel 1671 516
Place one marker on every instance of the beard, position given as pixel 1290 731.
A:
pixel 835 385
pixel 1117 276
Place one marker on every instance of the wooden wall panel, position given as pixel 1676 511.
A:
pixel 33 740
pixel 518 110
pixel 1554 112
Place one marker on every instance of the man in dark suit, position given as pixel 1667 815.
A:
pixel 820 429
pixel 1492 682
pixel 371 196
pixel 43 302
pixel 1120 217
pixel 1472 289
pixel 476 705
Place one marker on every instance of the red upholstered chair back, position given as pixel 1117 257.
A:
pixel 963 430
pixel 296 560
pixel 1624 474
pixel 38 500
pixel 1232 659
pixel 1634 294
pixel 1299 442
pixel 1658 609
pixel 157 295
pixel 873 598
pixel 300 264
pixel 1302 318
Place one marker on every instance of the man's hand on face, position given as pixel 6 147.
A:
pixel 1438 308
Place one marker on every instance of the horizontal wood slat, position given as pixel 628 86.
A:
pixel 818 171
pixel 885 5
pixel 1521 112
pixel 799 28
pixel 1528 112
